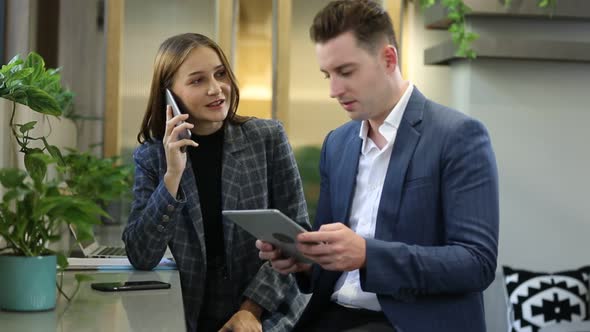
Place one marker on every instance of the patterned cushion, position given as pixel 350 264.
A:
pixel 538 299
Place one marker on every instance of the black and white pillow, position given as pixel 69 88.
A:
pixel 538 299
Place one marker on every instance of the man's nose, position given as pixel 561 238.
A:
pixel 336 88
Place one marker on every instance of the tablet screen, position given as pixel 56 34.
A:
pixel 270 225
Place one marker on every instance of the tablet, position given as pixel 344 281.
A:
pixel 270 225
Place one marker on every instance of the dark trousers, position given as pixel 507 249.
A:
pixel 336 318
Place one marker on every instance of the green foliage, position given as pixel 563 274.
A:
pixel 100 179
pixel 456 11
pixel 28 82
pixel 547 3
pixel 541 3
pixel 308 162
pixel 427 3
pixel 34 207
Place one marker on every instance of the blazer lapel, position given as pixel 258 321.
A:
pixel 347 171
pixel 406 140
pixel 234 143
pixel 192 200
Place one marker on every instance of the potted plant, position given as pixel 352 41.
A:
pixel 35 207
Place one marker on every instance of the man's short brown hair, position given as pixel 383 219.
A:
pixel 366 19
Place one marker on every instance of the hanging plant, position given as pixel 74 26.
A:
pixel 456 12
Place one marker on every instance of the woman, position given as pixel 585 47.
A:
pixel 182 185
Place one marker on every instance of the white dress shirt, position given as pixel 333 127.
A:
pixel 372 169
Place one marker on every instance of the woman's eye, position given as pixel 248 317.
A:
pixel 221 73
pixel 346 74
pixel 197 81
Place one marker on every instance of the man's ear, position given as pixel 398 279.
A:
pixel 390 56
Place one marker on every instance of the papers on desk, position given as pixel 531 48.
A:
pixel 113 264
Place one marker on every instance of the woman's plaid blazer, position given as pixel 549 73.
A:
pixel 258 171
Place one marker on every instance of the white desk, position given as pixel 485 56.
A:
pixel 91 310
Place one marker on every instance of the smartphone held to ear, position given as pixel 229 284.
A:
pixel 176 111
pixel 129 285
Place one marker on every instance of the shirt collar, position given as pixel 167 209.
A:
pixel 391 123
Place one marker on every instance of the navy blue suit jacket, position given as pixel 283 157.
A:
pixel 436 236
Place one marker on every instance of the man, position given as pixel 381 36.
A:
pixel 407 222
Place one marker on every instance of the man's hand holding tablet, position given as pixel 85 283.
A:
pixel 334 247
pixel 280 262
pixel 273 228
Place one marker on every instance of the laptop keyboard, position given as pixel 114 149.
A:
pixel 112 251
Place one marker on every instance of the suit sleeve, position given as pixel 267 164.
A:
pixel 269 288
pixel 153 213
pixel 466 260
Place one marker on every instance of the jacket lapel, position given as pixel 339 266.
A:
pixel 347 171
pixel 193 202
pixel 232 167
pixel 407 138
pixel 234 142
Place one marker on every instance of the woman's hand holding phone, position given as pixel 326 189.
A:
pixel 175 158
pixel 170 100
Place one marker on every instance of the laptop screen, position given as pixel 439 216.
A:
pixel 85 244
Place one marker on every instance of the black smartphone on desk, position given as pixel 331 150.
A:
pixel 129 285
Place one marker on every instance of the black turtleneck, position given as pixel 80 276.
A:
pixel 206 162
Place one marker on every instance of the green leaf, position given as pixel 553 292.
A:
pixel 427 3
pixel 454 16
pixel 54 237
pixel 21 74
pixel 36 63
pixel 84 232
pixel 471 37
pixel 83 277
pixel 6 69
pixel 62 260
pixel 13 194
pixel 40 101
pixel 72 209
pixel 13 85
pixel 36 165
pixel 55 153
pixel 16 60
pixel 12 177
pixel 27 126
pixel 14 70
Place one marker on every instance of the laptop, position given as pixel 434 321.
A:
pixel 91 248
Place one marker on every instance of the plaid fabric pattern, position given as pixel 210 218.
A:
pixel 259 171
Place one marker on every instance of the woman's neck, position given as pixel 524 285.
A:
pixel 208 128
